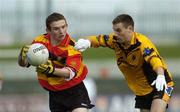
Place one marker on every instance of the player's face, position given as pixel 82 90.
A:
pixel 122 33
pixel 58 29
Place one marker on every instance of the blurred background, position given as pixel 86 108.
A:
pixel 22 20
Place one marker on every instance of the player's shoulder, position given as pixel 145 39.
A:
pixel 41 38
pixel 146 44
pixel 72 41
pixel 142 38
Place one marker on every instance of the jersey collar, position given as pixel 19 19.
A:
pixel 64 42
pixel 132 42
pixel 133 39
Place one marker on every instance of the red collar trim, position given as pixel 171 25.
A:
pixel 47 36
pixel 65 41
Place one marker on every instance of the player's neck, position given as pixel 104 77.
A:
pixel 55 40
pixel 126 44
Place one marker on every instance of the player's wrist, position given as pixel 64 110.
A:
pixel 50 70
pixel 88 43
pixel 161 76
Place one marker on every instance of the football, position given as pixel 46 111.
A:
pixel 37 54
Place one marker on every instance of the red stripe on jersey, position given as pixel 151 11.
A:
pixel 45 84
pixel 66 85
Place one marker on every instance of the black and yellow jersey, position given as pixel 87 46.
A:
pixel 137 62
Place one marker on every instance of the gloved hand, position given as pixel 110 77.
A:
pixel 24 51
pixel 47 68
pixel 160 83
pixel 82 44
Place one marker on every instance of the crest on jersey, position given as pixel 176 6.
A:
pixel 73 63
pixel 133 57
pixel 147 51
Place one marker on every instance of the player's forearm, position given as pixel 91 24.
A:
pixel 100 40
pixel 159 71
pixel 62 72
pixel 94 41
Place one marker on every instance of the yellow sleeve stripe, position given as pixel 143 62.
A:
pixel 103 40
pixel 94 41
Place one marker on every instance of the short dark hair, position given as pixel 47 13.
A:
pixel 125 19
pixel 54 17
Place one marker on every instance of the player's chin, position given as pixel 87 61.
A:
pixel 120 41
pixel 61 36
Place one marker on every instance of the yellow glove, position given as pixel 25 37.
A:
pixel 24 51
pixel 47 68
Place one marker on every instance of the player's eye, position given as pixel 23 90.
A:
pixel 55 28
pixel 63 26
pixel 117 30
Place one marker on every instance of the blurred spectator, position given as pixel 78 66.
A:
pixel 92 90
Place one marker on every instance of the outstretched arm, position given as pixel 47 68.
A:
pixel 152 57
pixel 94 41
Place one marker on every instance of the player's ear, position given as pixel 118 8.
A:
pixel 130 28
pixel 47 30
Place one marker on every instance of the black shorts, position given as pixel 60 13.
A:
pixel 69 99
pixel 144 102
